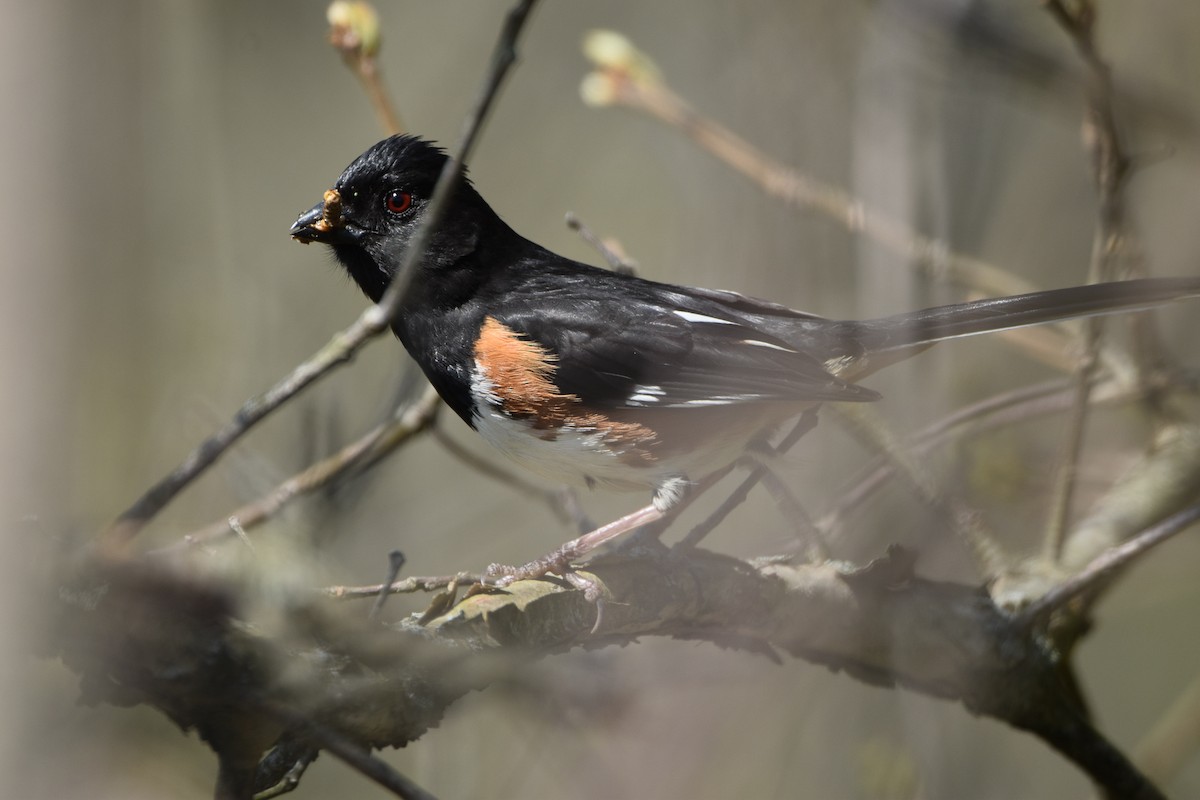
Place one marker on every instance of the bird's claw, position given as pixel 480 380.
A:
pixel 501 576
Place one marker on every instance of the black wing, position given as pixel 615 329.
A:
pixel 627 343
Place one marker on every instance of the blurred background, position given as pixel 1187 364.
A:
pixel 155 154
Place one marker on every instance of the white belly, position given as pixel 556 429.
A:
pixel 586 451
pixel 578 457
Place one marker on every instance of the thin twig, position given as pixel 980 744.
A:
pixel 407 586
pixel 1111 244
pixel 807 421
pixel 801 522
pixel 616 261
pixel 1104 565
pixel 336 352
pixel 352 753
pixel 1000 410
pixel 354 32
pixel 1072 448
pixel 367 451
pixel 561 502
pixel 630 80
pixel 1173 739
pixel 939 431
pixel 291 779
pixel 865 424
pixel 371 323
pixel 395 564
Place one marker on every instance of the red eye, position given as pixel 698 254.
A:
pixel 398 202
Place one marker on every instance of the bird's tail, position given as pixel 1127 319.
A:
pixel 917 329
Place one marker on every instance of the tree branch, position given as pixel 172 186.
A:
pixel 376 686
pixel 626 77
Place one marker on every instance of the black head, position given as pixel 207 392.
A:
pixel 370 216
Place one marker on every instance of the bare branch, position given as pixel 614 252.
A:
pixel 881 624
pixel 367 451
pixel 1023 403
pixel 1163 482
pixel 561 502
pixel 354 32
pixel 1104 566
pixel 406 586
pixel 805 424
pixel 395 564
pixel 1001 410
pixel 1173 739
pixel 617 261
pixel 626 77
pixel 1114 248
pixel 353 754
pixel 865 424
pixel 290 780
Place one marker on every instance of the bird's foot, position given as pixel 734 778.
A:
pixel 554 563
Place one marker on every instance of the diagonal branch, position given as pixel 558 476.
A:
pixel 368 450
pixel 350 752
pixel 626 77
pixel 1105 565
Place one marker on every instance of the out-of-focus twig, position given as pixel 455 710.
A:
pixel 1163 481
pixel 617 260
pixel 1109 168
pixel 804 425
pixel 290 781
pixel 1072 448
pixel 1173 739
pixel 865 424
pixel 1106 564
pixel 1024 403
pixel 354 32
pixel 406 586
pixel 352 753
pixel 1114 249
pixel 561 502
pixel 624 76
pixel 395 564
pixel 366 451
pixel 807 534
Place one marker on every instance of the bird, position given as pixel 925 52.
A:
pixel 591 377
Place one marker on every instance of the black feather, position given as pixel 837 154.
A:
pixel 621 342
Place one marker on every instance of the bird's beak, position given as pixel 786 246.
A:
pixel 321 223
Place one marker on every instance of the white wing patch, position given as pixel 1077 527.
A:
pixel 691 317
pixel 757 343
pixel 645 394
pixel 723 400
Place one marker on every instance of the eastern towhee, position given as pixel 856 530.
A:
pixel 588 376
